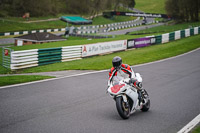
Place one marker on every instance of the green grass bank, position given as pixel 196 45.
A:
pixel 16 24
pixel 151 6
pixel 10 80
pixel 170 27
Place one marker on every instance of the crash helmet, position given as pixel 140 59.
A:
pixel 117 62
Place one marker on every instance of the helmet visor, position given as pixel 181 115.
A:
pixel 117 64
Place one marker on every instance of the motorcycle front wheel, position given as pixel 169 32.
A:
pixel 122 108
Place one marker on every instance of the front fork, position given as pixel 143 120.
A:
pixel 125 100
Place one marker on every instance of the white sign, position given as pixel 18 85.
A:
pixel 19 42
pixel 105 47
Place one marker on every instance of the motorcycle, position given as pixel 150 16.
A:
pixel 128 99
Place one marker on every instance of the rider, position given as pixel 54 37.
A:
pixel 124 71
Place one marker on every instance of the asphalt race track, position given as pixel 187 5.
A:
pixel 80 104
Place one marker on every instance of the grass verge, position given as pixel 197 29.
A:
pixel 168 28
pixel 16 25
pixel 131 57
pixel 10 80
pixel 74 41
pixel 196 129
pixel 151 6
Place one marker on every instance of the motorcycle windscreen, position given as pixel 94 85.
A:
pixel 116 86
pixel 116 80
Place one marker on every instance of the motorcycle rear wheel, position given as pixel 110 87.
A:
pixel 123 111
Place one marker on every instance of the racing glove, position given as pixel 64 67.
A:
pixel 137 84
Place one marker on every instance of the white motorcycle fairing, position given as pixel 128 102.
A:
pixel 127 98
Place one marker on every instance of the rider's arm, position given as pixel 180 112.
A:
pixel 111 75
pixel 133 79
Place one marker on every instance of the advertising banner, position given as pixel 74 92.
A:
pixel 150 15
pixel 105 47
pixel 141 42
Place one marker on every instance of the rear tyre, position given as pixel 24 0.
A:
pixel 123 110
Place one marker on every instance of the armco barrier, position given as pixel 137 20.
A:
pixel 87 29
pixel 24 59
pixel 29 32
pixel 108 27
pixel 71 53
pixel 36 57
pixel 49 56
pixel 80 30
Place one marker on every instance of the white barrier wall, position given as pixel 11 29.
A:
pixel 196 30
pixel 177 35
pixel 187 32
pixel 165 38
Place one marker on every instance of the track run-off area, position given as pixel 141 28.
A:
pixel 79 103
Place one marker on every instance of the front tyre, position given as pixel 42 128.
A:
pixel 122 108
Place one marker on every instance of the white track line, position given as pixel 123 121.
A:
pixel 190 125
pixel 95 71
